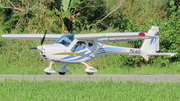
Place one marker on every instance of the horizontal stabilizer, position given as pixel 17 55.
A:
pixel 157 54
pixel 146 56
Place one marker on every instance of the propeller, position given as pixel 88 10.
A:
pixel 42 41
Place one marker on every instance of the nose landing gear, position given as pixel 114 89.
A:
pixel 49 70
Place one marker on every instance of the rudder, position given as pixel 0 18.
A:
pixel 151 45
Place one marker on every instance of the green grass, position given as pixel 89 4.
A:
pixel 13 90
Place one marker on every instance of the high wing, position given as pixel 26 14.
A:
pixel 117 36
pixel 99 37
pixel 51 37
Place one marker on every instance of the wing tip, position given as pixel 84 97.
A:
pixel 172 54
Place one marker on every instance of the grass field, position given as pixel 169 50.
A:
pixel 13 90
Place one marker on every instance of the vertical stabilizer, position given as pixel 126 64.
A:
pixel 151 45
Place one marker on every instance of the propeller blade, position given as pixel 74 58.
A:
pixel 33 48
pixel 42 41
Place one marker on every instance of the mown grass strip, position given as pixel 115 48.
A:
pixel 13 90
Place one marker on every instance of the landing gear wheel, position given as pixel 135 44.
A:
pixel 48 73
pixel 89 73
pixel 62 73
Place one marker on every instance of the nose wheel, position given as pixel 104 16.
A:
pixel 49 70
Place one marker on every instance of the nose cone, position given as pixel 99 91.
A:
pixel 39 47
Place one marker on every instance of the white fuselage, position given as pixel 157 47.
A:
pixel 62 54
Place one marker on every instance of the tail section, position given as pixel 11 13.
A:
pixel 150 46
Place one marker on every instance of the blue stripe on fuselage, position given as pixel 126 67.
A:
pixel 110 52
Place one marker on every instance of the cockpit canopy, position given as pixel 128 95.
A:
pixel 65 40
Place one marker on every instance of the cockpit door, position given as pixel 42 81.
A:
pixel 80 45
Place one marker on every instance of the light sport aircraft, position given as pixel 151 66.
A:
pixel 80 48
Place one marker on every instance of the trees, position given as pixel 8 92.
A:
pixel 68 15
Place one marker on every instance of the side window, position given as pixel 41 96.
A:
pixel 80 45
pixel 90 44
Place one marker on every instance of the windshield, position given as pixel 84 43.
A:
pixel 66 40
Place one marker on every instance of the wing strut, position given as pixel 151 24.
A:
pixel 98 48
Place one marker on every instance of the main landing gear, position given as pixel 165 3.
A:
pixel 89 70
pixel 62 70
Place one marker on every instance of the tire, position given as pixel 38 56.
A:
pixel 48 73
pixel 62 73
pixel 89 73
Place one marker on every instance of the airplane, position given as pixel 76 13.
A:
pixel 80 48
